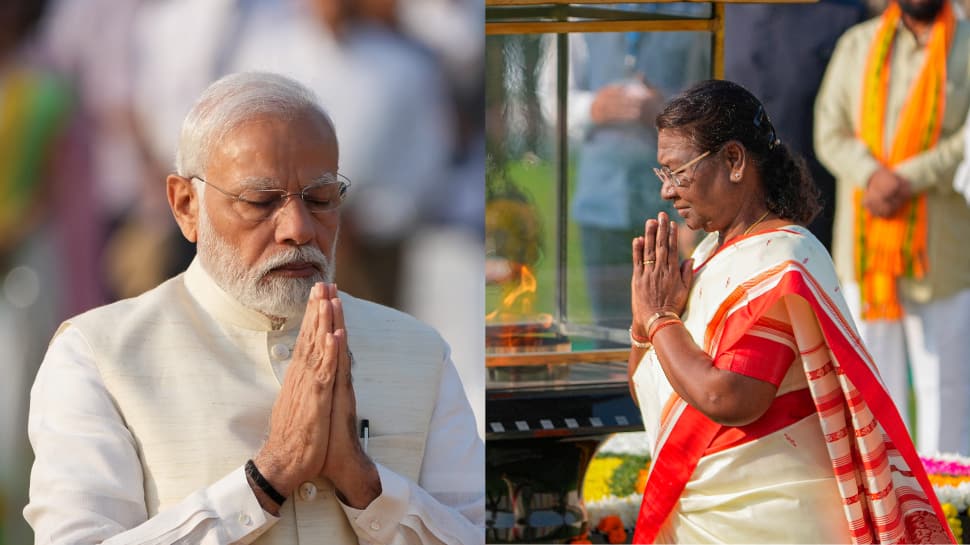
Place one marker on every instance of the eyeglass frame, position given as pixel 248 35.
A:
pixel 284 196
pixel 673 174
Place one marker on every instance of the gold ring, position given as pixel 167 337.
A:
pixel 649 261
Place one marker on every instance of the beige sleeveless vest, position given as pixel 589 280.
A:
pixel 194 375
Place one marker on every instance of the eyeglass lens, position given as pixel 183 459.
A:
pixel 260 204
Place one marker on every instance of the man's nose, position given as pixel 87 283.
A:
pixel 294 222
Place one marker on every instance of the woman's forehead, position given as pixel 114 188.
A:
pixel 675 137
pixel 673 143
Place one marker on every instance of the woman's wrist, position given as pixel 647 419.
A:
pixel 660 324
pixel 637 340
pixel 654 317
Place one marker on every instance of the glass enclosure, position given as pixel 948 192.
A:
pixel 569 180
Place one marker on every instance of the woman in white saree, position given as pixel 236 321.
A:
pixel 768 419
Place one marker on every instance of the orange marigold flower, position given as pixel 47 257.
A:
pixel 616 536
pixel 609 523
pixel 641 483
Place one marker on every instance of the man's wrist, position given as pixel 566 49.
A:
pixel 257 478
pixel 360 487
pixel 274 473
pixel 265 502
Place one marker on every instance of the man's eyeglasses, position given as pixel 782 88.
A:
pixel 324 195
pixel 668 176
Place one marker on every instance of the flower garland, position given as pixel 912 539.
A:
pixel 614 509
pixel 950 476
pixel 612 496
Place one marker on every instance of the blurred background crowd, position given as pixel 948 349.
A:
pixel 92 95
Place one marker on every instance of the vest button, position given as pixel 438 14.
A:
pixel 375 526
pixel 308 491
pixel 245 519
pixel 280 351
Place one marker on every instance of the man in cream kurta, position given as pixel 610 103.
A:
pixel 933 331
pixel 145 411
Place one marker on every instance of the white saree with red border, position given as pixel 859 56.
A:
pixel 829 462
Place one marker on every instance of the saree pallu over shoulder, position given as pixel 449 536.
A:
pixel 859 439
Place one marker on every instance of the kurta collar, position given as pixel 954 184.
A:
pixel 223 306
pixel 910 40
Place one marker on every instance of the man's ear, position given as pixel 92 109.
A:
pixel 185 205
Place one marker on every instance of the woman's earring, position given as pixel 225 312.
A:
pixel 736 176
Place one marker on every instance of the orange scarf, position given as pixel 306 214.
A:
pixel 887 248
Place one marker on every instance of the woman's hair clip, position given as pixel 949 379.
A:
pixel 761 118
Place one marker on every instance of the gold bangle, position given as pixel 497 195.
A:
pixel 637 343
pixel 658 315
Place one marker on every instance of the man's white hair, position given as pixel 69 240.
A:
pixel 232 101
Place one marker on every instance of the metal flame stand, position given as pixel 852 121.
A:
pixel 547 413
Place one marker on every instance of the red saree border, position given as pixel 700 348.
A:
pixel 785 410
pixel 672 468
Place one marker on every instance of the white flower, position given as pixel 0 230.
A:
pixel 627 508
pixel 955 495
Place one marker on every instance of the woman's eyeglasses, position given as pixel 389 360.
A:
pixel 668 176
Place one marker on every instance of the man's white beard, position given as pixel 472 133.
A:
pixel 275 296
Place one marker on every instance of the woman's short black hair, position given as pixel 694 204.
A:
pixel 714 112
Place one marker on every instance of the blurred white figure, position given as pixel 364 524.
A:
pixel 391 112
pixel 91 42
pixel 443 261
pixel 453 30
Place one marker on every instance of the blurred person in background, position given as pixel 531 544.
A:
pixel 617 85
pixel 47 234
pixel 888 123
pixel 779 52
pixel 92 44
pixel 443 264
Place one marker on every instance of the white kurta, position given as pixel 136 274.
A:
pixel 144 412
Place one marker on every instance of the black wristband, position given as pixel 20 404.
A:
pixel 253 473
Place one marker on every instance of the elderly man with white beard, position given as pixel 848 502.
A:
pixel 227 405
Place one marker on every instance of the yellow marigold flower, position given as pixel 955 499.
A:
pixel 956 527
pixel 596 485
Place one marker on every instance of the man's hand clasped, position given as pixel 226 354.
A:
pixel 660 281
pixel 313 431
pixel 633 101
pixel 886 192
